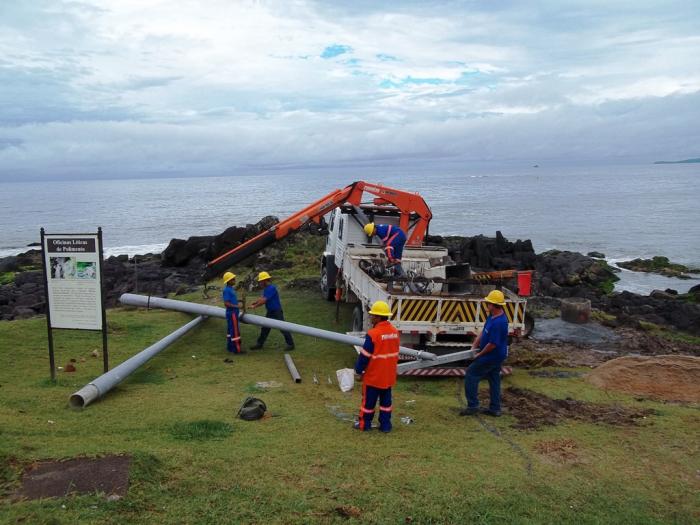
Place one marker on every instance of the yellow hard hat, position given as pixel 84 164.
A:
pixel 228 276
pixel 263 276
pixel 381 308
pixel 369 229
pixel 496 297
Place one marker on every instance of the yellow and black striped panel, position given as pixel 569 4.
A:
pixel 512 312
pixel 424 310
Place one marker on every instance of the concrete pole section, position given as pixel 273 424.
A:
pixel 292 368
pixel 217 311
pixel 107 381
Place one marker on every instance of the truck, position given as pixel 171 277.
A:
pixel 437 304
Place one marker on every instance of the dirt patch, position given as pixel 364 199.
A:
pixel 530 354
pixel 348 511
pixel 533 410
pixel 56 479
pixel 555 374
pixel 558 450
pixel 671 378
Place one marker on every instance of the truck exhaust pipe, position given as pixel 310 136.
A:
pixel 217 311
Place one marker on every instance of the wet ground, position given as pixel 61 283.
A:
pixel 108 475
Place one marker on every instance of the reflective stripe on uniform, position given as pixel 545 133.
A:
pixel 384 356
pixel 384 409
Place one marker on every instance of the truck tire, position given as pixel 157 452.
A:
pixel 327 291
pixel 358 319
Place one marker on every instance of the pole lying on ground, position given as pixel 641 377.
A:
pixel 292 368
pixel 216 311
pixel 106 382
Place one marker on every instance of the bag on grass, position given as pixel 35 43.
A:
pixel 252 409
pixel 346 379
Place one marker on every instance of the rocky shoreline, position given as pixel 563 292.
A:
pixel 179 268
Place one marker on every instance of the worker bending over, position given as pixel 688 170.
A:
pixel 233 305
pixel 271 299
pixel 492 349
pixel 393 240
pixel 377 364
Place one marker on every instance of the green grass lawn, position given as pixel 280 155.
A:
pixel 194 462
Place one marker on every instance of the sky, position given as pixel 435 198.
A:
pixel 141 88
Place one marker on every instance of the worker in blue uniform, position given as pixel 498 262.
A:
pixel 233 305
pixel 271 299
pixel 393 240
pixel 491 346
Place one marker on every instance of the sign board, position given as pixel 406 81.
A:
pixel 74 289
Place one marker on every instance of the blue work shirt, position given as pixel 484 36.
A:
pixel 272 298
pixel 495 331
pixel 231 297
pixel 393 239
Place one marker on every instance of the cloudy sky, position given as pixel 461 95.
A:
pixel 109 88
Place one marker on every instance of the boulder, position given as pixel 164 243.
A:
pixel 9 264
pixel 596 255
pixel 35 277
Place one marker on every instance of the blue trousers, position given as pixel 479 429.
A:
pixel 264 331
pixel 477 371
pixel 370 395
pixel 233 334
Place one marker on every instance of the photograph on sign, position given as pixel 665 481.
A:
pixel 73 283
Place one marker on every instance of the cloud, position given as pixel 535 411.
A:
pixel 100 88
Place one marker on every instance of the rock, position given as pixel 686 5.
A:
pixel 671 291
pixel 36 277
pixel 9 264
pixel 597 255
pixel 658 294
pixel 23 312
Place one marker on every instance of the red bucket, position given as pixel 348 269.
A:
pixel 524 283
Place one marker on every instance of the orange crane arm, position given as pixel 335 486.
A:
pixel 406 202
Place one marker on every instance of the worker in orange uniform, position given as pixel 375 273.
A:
pixel 377 364
pixel 233 305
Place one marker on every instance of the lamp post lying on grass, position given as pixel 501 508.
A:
pixel 292 368
pixel 217 311
pixel 107 381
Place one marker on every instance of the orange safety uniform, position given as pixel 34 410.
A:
pixel 377 363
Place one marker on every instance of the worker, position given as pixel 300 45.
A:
pixel 491 347
pixel 271 299
pixel 233 305
pixel 393 240
pixel 377 364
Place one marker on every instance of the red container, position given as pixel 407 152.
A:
pixel 524 283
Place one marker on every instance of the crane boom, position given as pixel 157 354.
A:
pixel 407 203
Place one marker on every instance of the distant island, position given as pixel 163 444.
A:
pixel 686 161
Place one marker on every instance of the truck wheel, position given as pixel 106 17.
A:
pixel 358 318
pixel 327 292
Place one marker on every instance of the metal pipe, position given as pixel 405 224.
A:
pixel 217 311
pixel 292 368
pixel 106 382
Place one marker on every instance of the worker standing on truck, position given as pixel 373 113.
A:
pixel 393 240
pixel 491 347
pixel 271 299
pixel 233 305
pixel 377 364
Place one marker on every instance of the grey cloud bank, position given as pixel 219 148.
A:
pixel 131 88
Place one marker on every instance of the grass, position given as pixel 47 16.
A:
pixel 305 464
pixel 7 277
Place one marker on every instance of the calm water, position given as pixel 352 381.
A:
pixel 622 211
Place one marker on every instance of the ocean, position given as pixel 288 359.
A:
pixel 623 211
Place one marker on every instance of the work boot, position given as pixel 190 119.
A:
pixel 469 411
pixel 241 352
pixel 289 348
pixel 356 426
pixel 492 413
pixel 256 346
